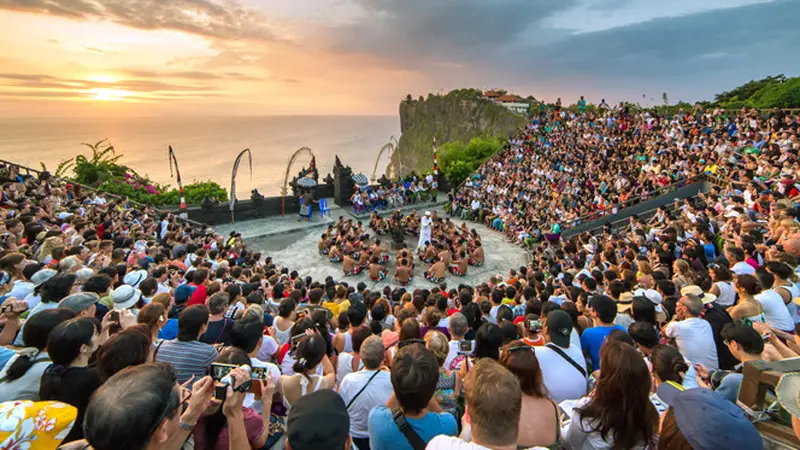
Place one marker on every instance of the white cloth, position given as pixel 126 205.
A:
pixel 424 231
pixel 27 386
pixel 443 442
pixel 576 435
pixel 695 340
pixel 742 268
pixel 727 296
pixel 344 366
pixel 376 393
pixel 562 379
pixel 775 311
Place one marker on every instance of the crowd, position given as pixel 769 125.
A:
pixel 124 328
pixel 409 190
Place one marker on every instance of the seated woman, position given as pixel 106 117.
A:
pixel 376 271
pixel 310 354
pixel 460 265
pixel 437 272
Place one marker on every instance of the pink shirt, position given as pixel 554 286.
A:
pixel 253 425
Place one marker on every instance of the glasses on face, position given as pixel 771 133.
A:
pixel 178 401
pixel 402 344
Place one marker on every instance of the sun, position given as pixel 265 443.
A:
pixel 108 94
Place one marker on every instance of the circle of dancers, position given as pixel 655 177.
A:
pixel 442 247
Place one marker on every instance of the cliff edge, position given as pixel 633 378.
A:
pixel 458 116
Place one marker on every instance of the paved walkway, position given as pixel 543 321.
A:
pixel 278 225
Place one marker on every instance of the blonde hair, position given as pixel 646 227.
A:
pixel 438 345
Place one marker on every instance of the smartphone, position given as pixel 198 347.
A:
pixel 465 346
pixel 10 308
pixel 296 340
pixel 220 370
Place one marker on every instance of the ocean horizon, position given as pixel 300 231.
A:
pixel 206 146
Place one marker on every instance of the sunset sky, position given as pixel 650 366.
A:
pixel 254 57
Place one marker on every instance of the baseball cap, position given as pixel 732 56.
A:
pixel 708 421
pixel 79 302
pixel 318 421
pixel 559 327
pixel 183 292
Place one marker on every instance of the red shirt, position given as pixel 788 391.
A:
pixel 199 295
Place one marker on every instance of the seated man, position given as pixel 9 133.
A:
pixel 377 251
pixel 350 266
pixel 376 271
pixel 429 254
pixel 477 258
pixel 437 272
pixel 460 265
pixel 335 255
pixel 404 273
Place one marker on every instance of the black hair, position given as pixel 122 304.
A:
pixel 605 308
pixel 64 346
pixel 357 313
pixel 56 288
pixel 748 338
pixel 130 347
pixel 668 363
pixel 191 321
pixel 643 309
pixel 36 334
pixel 99 284
pixel 246 332
pixel 643 334
pixel 310 352
pixel 488 341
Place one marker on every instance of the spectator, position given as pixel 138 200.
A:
pixel 219 327
pixel 22 374
pixel 458 328
pixel 788 393
pixel 186 354
pixel 83 304
pixel 562 363
pixel 693 335
pixel 415 373
pixel 130 347
pixel 319 421
pixel 597 420
pixel 603 310
pixel 349 362
pixel 745 345
pixel 70 379
pixel 366 389
pixel 310 354
pixel 445 394
pixel 494 410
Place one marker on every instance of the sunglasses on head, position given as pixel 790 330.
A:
pixel 402 344
pixel 519 347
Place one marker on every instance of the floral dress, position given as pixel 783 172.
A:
pixel 445 391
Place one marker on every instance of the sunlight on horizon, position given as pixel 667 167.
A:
pixel 109 94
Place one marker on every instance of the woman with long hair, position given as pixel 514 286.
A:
pixel 211 431
pixel 21 376
pixel 684 275
pixel 668 366
pixel 311 353
pixel 154 316
pixel 618 414
pixel 539 414
pixel 445 394
pixel 70 379
pixel 749 309
pixel 282 325
pixel 722 285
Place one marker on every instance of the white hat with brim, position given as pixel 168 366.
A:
pixel 788 393
pixel 428 213
pixel 625 302
pixel 693 289
pixel 134 278
pixel 125 297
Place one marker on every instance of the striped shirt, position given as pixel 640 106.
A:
pixel 187 358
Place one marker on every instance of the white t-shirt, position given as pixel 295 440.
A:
pixel 443 442
pixel 344 367
pixel 451 354
pixel 562 379
pixel 695 340
pixel 742 268
pixel 775 311
pixel 575 433
pixel 376 393
pixel 274 373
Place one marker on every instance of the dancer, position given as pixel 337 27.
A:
pixel 425 230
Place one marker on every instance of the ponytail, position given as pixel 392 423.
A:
pixel 20 366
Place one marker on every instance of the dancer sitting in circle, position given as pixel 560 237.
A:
pixel 376 271
pixel 324 244
pixel 437 272
pixel 477 257
pixel 460 265
pixel 429 254
pixel 377 251
pixel 350 266
pixel 335 254
pixel 404 273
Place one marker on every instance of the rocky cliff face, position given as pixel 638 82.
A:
pixel 457 116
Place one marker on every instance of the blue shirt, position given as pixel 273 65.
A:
pixel 169 331
pixel 5 355
pixel 384 434
pixel 592 341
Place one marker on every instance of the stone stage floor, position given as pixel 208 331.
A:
pixel 297 250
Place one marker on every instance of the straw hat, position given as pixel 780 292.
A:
pixel 706 297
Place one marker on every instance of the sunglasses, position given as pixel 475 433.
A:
pixel 402 344
pixel 517 348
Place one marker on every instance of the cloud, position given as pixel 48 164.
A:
pixel 42 85
pixel 94 49
pixel 191 75
pixel 209 18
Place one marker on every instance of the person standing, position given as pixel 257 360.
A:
pixel 425 230
pixel 366 389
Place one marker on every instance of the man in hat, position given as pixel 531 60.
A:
pixel 125 297
pixel 425 230
pixel 563 364
pixel 318 421
pixel 82 303
pixel 788 393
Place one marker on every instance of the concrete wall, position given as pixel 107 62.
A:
pixel 639 209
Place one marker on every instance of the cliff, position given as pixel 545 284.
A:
pixel 458 116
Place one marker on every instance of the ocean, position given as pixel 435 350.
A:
pixel 206 147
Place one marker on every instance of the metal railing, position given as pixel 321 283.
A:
pixel 37 172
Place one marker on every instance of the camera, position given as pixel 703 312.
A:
pixel 221 374
pixel 534 326
pixel 296 340
pixel 465 347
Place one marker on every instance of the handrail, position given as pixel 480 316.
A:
pixel 28 171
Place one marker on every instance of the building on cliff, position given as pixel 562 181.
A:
pixel 514 103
